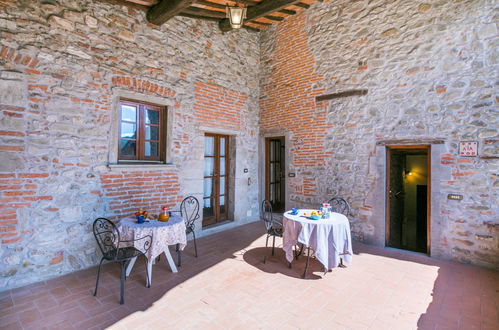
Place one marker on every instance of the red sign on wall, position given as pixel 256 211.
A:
pixel 469 149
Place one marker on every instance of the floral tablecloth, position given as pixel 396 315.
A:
pixel 162 233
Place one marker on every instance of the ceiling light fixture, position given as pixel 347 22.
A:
pixel 236 15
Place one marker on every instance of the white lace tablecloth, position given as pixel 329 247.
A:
pixel 162 233
pixel 329 238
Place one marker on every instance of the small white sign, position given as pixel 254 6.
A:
pixel 468 149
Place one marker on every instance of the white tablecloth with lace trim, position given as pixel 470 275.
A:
pixel 329 238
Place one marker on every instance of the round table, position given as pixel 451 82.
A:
pixel 329 238
pixel 163 234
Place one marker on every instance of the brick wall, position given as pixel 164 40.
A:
pixel 288 102
pixel 430 70
pixel 132 190
pixel 218 106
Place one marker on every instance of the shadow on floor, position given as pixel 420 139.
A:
pixel 68 301
pixel 228 286
pixel 277 264
pixel 462 297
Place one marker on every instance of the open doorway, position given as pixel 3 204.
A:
pixel 408 191
pixel 275 173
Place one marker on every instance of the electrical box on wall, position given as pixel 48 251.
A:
pixel 455 197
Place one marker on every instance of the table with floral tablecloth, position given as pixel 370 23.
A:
pixel 163 234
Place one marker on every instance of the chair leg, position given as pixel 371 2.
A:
pixel 179 259
pixel 266 244
pixel 273 244
pixel 148 282
pixel 342 265
pixel 195 247
pixel 306 265
pixel 98 275
pixel 299 252
pixel 122 287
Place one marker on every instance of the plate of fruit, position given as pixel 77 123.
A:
pixel 141 216
pixel 315 215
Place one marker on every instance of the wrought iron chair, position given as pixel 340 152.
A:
pixel 274 227
pixel 189 211
pixel 110 244
pixel 340 205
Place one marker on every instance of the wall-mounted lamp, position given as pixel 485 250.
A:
pixel 236 15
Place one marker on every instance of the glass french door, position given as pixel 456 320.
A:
pixel 216 179
pixel 274 173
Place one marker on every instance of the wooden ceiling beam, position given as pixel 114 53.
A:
pixel 204 12
pixel 288 11
pixel 262 9
pixel 260 23
pixel 302 5
pixel 166 9
pixel 251 3
pixel 248 2
pixel 274 18
pixel 211 4
pixel 206 18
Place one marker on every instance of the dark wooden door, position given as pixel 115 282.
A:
pixel 216 179
pixel 275 173
pixel 422 216
pixel 406 175
pixel 396 196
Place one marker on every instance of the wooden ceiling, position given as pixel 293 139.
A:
pixel 260 14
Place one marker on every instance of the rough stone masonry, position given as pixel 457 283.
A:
pixel 63 66
pixel 431 69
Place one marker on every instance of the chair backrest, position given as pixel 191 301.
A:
pixel 107 236
pixel 340 205
pixel 266 214
pixel 189 210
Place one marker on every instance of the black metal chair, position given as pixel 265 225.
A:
pixel 274 227
pixel 110 244
pixel 189 211
pixel 340 205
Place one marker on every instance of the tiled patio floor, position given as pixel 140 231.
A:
pixel 228 286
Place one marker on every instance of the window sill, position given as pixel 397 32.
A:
pixel 139 166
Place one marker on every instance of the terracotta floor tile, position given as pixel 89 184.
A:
pixel 10 326
pixel 229 287
pixel 29 316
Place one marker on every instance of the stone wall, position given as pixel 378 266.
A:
pixel 431 71
pixel 63 67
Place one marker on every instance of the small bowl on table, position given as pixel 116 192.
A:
pixel 315 217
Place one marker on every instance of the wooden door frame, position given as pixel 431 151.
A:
pixel 216 183
pixel 427 147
